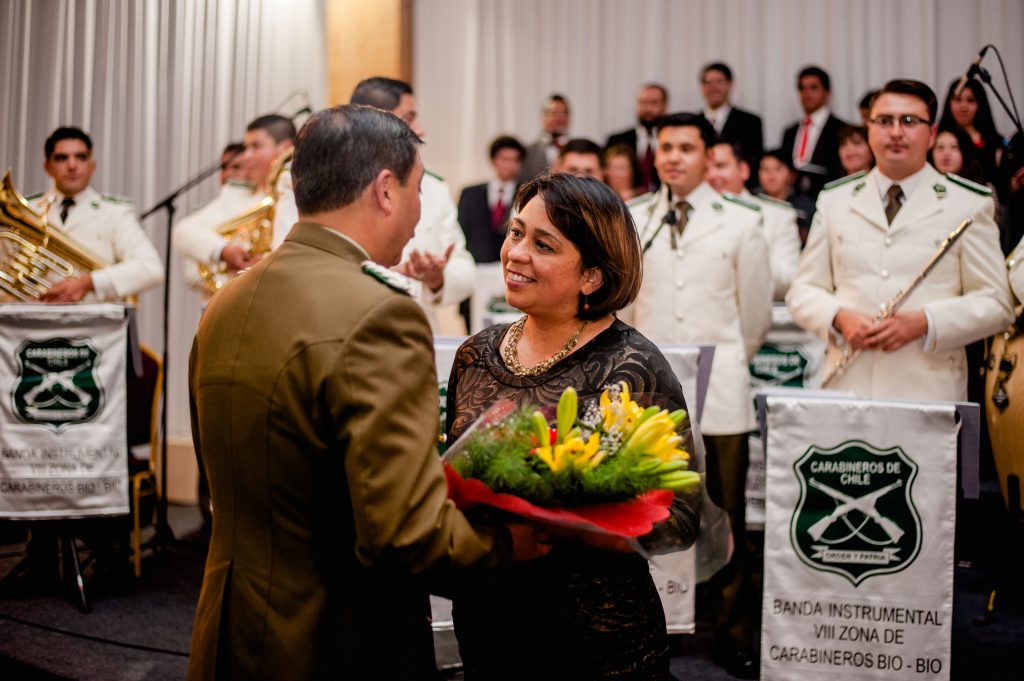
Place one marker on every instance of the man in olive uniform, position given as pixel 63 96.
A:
pixel 872 233
pixel 314 411
pixel 103 224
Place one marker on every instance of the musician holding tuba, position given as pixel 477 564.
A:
pixel 103 224
pixel 872 234
pixel 215 240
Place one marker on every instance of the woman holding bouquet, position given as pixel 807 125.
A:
pixel 589 610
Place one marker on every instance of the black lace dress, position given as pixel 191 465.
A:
pixel 579 612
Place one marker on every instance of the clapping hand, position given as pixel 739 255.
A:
pixel 426 267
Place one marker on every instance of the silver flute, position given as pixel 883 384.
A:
pixel 889 309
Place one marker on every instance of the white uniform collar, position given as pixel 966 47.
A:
pixel 87 195
pixel 701 193
pixel 907 184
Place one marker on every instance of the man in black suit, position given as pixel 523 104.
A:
pixel 732 125
pixel 813 142
pixel 651 104
pixel 555 119
pixel 484 208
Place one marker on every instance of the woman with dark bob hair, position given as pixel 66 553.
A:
pixel 588 610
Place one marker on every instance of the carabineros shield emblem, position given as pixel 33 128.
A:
pixel 777 364
pixel 57 383
pixel 856 514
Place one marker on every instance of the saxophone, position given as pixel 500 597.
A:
pixel 253 229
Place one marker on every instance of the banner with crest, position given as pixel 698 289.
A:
pixel 63 441
pixel 858 577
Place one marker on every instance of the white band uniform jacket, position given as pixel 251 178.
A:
pixel 108 227
pixel 197 237
pixel 437 229
pixel 854 259
pixel 715 287
pixel 783 237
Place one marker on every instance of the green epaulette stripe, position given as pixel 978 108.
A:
pixel 772 199
pixel 638 200
pixel 118 199
pixel 433 174
pixel 33 197
pixel 967 184
pixel 843 180
pixel 741 202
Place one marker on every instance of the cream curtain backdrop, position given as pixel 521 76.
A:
pixel 161 86
pixel 482 67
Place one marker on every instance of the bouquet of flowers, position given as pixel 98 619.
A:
pixel 614 469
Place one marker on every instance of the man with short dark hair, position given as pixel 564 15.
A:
pixel 642 138
pixel 197 237
pixel 732 124
pixel 581 157
pixel 813 141
pixel 728 173
pixel 872 234
pixel 554 121
pixel 484 208
pixel 314 412
pixel 436 258
pixel 102 223
pixel 707 280
pixel 231 167
pixel 267 139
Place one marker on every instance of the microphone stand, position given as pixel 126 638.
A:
pixel 1011 147
pixel 164 534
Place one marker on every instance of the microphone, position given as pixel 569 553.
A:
pixel 971 70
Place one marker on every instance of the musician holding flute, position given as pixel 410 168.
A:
pixel 872 237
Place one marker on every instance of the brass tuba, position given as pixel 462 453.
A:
pixel 253 229
pixel 35 255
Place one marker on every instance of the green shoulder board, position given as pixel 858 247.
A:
pixel 843 180
pixel 741 202
pixel 388 277
pixel 967 184
pixel 773 200
pixel 640 200
pixel 34 197
pixel 118 199
pixel 434 175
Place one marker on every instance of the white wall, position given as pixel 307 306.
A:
pixel 482 67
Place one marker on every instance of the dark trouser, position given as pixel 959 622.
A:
pixel 734 598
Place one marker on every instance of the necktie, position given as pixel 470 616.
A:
pixel 65 206
pixel 647 167
pixel 682 217
pixel 894 203
pixel 801 154
pixel 498 212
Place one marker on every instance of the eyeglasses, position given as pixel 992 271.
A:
pixel 908 121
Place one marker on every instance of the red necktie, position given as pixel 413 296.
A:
pixel 498 212
pixel 647 167
pixel 802 153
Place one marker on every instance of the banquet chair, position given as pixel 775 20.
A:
pixel 143 428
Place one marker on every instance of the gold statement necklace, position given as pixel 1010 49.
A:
pixel 511 354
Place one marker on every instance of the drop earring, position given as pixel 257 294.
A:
pixel 586 305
